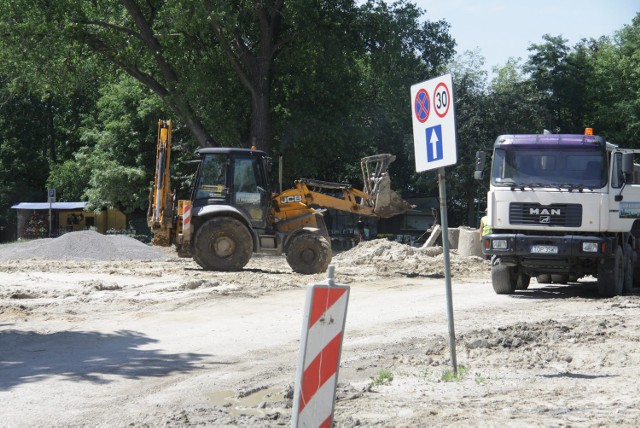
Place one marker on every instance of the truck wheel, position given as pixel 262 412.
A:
pixel 545 278
pixel 611 275
pixel 522 281
pixel 309 253
pixel 628 268
pixel 222 243
pixel 503 279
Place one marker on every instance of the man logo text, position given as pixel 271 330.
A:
pixel 545 211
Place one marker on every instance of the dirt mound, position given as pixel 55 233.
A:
pixel 84 245
pixel 382 257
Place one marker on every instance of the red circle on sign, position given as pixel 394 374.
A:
pixel 422 106
pixel 441 99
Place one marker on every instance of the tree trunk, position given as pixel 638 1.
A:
pixel 51 132
pixel 260 134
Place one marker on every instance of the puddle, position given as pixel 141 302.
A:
pixel 247 404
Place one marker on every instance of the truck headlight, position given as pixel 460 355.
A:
pixel 590 247
pixel 499 244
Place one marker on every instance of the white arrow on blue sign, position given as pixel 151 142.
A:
pixel 434 124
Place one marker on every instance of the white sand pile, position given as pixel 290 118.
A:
pixel 84 245
pixel 388 257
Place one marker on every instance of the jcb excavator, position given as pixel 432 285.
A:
pixel 232 212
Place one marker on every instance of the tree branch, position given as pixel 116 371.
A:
pixel 152 43
pixel 231 57
pixel 118 28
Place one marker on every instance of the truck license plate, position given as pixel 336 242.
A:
pixel 544 249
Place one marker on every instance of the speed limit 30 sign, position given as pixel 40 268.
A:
pixel 434 124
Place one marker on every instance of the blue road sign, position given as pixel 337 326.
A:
pixel 434 143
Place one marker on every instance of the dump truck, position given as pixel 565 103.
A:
pixel 233 213
pixel 561 207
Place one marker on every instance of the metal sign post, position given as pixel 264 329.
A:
pixel 447 266
pixel 434 136
pixel 52 198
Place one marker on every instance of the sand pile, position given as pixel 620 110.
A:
pixel 388 257
pixel 84 245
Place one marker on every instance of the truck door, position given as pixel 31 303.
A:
pixel 249 189
pixel 628 188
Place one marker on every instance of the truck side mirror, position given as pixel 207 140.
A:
pixel 627 166
pixel 480 161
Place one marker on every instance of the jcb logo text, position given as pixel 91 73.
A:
pixel 290 199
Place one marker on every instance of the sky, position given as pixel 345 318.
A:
pixel 505 28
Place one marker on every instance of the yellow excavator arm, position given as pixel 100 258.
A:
pixel 160 215
pixel 297 207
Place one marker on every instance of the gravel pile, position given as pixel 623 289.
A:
pixel 84 245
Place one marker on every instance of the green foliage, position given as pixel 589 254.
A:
pixel 384 377
pixel 451 376
pixel 616 86
pixel 116 185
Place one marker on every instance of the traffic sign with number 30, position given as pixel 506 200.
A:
pixel 434 135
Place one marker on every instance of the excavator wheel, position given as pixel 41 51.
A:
pixel 309 253
pixel 222 243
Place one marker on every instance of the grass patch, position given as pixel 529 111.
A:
pixel 450 376
pixel 480 380
pixel 384 377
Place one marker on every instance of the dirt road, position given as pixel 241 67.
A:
pixel 148 343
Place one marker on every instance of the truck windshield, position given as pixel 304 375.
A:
pixel 557 167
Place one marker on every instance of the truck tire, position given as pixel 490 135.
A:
pixel 544 278
pixel 629 269
pixel 223 243
pixel 611 275
pixel 309 253
pixel 503 278
pixel 522 281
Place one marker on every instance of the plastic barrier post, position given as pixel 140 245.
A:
pixel 320 348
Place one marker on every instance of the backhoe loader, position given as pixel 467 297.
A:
pixel 233 213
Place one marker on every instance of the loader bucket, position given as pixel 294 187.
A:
pixel 377 183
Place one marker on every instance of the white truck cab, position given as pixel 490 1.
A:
pixel 563 206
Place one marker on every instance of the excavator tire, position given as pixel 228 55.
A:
pixel 309 253
pixel 223 244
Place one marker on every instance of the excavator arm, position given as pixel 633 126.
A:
pixel 377 199
pixel 160 215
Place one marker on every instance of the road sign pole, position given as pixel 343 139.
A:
pixel 50 203
pixel 434 141
pixel 447 266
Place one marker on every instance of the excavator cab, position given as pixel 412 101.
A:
pixel 236 178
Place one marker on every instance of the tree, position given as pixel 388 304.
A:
pixel 116 165
pixel 317 80
pixel 563 76
pixel 616 88
pixel 470 82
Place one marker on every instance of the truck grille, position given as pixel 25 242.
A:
pixel 567 215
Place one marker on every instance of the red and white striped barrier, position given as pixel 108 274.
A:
pixel 321 345
pixel 186 221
